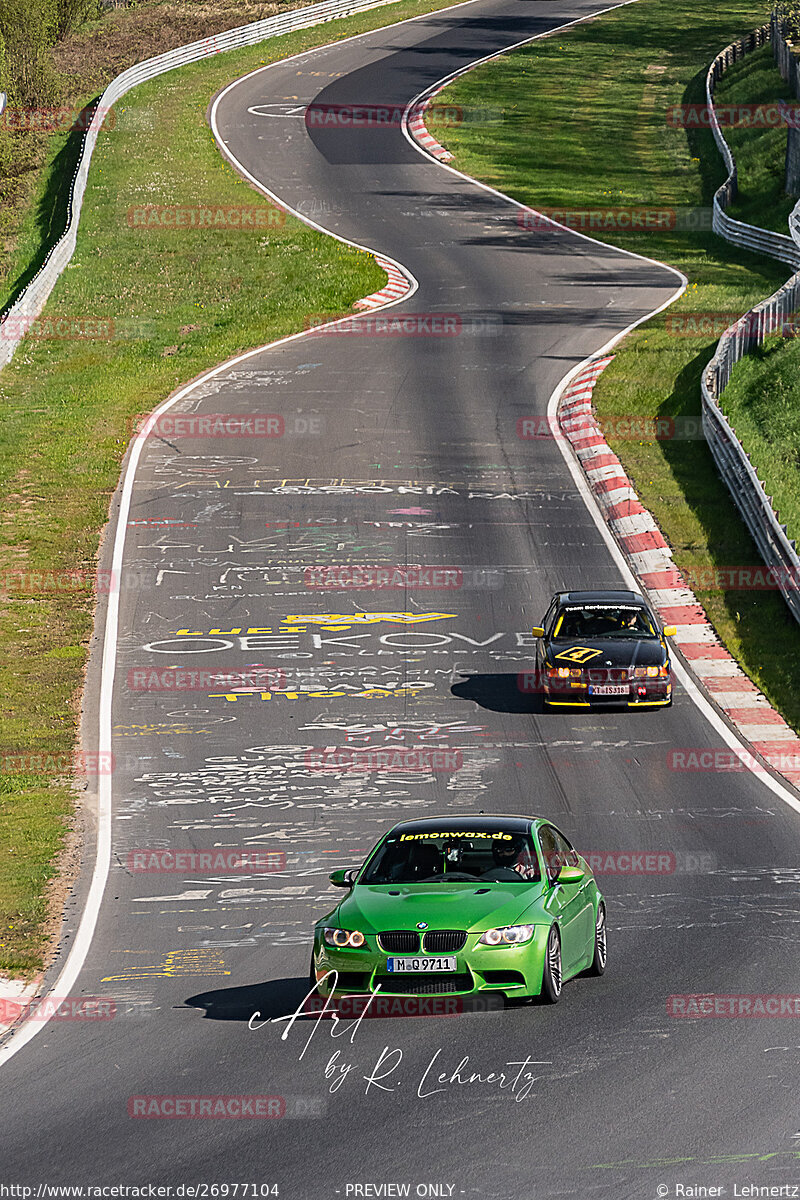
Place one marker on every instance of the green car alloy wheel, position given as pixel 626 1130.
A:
pixel 463 906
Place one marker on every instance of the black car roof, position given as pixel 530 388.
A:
pixel 480 823
pixel 615 597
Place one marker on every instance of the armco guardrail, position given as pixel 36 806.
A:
pixel 28 306
pixel 750 237
pixel 767 318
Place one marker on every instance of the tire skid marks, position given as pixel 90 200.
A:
pixel 272 777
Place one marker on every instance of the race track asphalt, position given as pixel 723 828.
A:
pixel 415 460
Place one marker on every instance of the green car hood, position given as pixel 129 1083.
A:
pixel 469 906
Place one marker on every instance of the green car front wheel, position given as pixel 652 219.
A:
pixel 552 979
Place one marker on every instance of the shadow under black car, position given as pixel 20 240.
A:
pixel 500 693
pixel 507 693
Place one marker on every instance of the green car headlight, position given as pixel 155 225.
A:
pixel 343 938
pixel 509 935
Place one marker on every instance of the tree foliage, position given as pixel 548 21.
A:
pixel 28 31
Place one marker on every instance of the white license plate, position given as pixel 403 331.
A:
pixel 609 689
pixel 420 965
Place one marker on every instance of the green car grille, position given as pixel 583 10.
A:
pixel 399 941
pixel 443 941
pixel 435 941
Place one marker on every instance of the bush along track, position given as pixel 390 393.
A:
pixel 141 308
pixel 628 79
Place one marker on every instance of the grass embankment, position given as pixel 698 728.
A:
pixel 584 126
pixel 762 401
pixel 180 301
pixel 47 69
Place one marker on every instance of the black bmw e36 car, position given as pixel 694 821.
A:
pixel 601 648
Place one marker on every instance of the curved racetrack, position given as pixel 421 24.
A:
pixel 418 462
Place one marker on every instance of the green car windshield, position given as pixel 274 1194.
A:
pixel 604 621
pixel 454 857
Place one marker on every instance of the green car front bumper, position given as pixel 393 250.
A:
pixel 515 970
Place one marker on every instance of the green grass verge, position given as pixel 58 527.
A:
pixel 762 401
pixel 584 126
pixel 180 301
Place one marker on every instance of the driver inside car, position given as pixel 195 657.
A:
pixel 424 862
pixel 516 856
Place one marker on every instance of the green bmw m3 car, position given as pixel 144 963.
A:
pixel 463 906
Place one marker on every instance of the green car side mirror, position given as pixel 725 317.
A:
pixel 343 878
pixel 537 631
pixel 570 875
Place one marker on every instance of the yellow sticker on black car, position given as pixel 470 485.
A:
pixel 578 654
